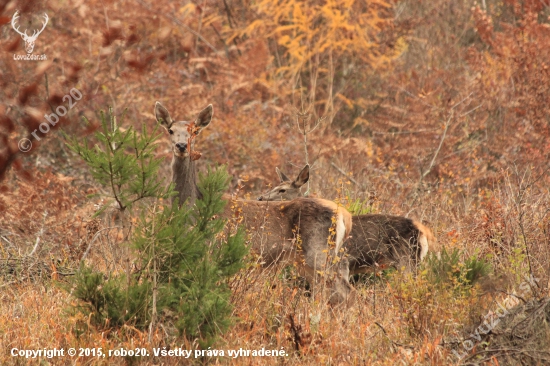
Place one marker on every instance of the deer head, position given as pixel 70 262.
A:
pixel 287 190
pixel 183 133
pixel 29 40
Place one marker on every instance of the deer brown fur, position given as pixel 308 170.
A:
pixel 296 231
pixel 285 222
pixel 386 241
pixel 376 240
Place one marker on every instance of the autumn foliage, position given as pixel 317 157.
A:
pixel 435 110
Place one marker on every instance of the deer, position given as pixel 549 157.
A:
pixel 29 40
pixel 376 240
pixel 296 230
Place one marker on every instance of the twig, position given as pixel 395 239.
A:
pixel 404 132
pixel 52 107
pixel 329 106
pixel 393 343
pixel 222 40
pixel 418 99
pixel 106 15
pixel 524 184
pixel 7 284
pixel 531 316
pixel 94 239
pixel 229 15
pixel 7 241
pixel 296 333
pixel 200 26
pixel 155 284
pixel 462 101
pixel 470 111
pixel 447 124
pixel 505 350
pixel 466 148
pixel 305 130
pixel 39 234
pixel 423 175
pixel 514 295
pixel 345 174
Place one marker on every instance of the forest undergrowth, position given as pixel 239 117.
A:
pixel 436 111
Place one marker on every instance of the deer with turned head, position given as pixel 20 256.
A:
pixel 296 231
pixel 376 239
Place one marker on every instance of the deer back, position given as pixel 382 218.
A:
pixel 284 229
pixel 386 241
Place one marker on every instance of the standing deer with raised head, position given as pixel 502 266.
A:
pixel 376 239
pixel 297 230
pixel 182 138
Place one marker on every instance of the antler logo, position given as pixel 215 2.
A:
pixel 29 40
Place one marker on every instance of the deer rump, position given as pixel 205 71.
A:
pixel 296 230
pixel 386 241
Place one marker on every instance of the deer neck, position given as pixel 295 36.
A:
pixel 184 176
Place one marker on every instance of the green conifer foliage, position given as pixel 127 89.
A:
pixel 181 261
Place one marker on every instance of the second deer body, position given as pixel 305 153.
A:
pixel 376 240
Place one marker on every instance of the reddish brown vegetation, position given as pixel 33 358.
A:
pixel 444 118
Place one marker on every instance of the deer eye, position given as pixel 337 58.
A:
pixel 170 132
pixel 282 190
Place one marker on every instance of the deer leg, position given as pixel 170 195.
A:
pixel 342 292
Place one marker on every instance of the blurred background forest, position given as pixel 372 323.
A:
pixel 435 110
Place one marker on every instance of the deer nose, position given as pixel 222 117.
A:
pixel 181 146
pixel 260 198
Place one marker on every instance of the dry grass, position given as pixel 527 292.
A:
pixel 483 188
pixel 396 319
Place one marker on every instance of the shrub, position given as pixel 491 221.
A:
pixel 181 262
pixel 123 161
pixel 448 269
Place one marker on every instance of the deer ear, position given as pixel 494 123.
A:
pixel 282 177
pixel 204 118
pixel 162 115
pixel 302 178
